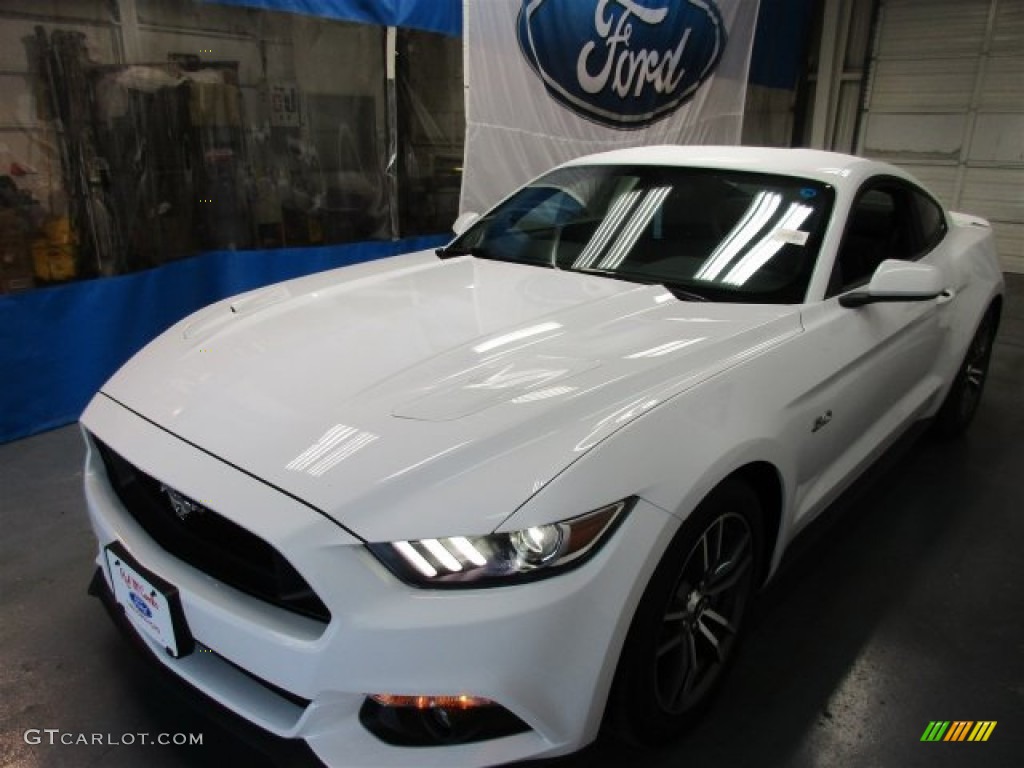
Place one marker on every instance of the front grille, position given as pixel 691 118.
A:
pixel 210 542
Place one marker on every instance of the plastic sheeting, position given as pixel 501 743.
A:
pixel 551 80
pixel 432 126
pixel 444 16
pixel 137 133
pixel 58 345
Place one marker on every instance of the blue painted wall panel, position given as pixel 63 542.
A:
pixel 780 43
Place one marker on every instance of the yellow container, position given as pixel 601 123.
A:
pixel 59 232
pixel 53 262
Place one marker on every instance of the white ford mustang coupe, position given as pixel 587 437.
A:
pixel 461 508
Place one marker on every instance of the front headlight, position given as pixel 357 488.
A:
pixel 501 558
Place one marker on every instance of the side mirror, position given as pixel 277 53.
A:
pixel 896 280
pixel 465 221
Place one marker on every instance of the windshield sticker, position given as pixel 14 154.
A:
pixel 791 236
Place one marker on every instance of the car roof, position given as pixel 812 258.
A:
pixel 828 167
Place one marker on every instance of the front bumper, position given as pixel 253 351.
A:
pixel 544 651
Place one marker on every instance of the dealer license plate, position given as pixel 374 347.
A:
pixel 150 603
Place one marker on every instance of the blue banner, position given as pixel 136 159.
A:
pixel 58 345
pixel 444 16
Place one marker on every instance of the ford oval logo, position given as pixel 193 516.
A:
pixel 622 63
pixel 140 605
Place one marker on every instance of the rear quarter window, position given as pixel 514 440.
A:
pixel 931 220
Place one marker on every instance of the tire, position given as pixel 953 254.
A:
pixel 686 628
pixel 961 403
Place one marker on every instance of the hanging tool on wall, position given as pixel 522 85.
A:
pixel 63 65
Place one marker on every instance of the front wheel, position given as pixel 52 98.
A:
pixel 687 625
pixel 958 409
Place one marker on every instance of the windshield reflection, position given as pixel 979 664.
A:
pixel 703 234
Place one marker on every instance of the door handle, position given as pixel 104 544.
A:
pixel 946 296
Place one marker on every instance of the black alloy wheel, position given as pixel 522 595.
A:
pixel 701 619
pixel 961 404
pixel 686 628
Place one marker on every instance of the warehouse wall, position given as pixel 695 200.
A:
pixel 946 101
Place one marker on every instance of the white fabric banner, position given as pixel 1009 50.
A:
pixel 550 80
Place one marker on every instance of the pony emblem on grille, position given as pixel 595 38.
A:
pixel 182 505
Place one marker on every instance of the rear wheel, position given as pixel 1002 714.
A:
pixel 964 396
pixel 686 628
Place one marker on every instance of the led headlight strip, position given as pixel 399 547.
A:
pixel 500 558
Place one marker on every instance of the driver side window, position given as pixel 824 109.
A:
pixel 880 227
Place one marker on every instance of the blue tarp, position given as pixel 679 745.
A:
pixel 59 344
pixel 444 16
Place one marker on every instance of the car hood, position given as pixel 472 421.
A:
pixel 398 396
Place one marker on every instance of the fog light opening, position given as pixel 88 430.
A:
pixel 424 721
pixel 461 701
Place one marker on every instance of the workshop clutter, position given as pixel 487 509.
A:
pixel 18 213
pixel 54 255
pixel 129 143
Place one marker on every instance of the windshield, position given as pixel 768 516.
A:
pixel 706 234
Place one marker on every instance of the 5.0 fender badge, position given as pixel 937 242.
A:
pixel 822 421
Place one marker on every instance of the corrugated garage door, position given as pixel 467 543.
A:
pixel 946 101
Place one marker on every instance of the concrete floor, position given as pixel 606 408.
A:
pixel 906 606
